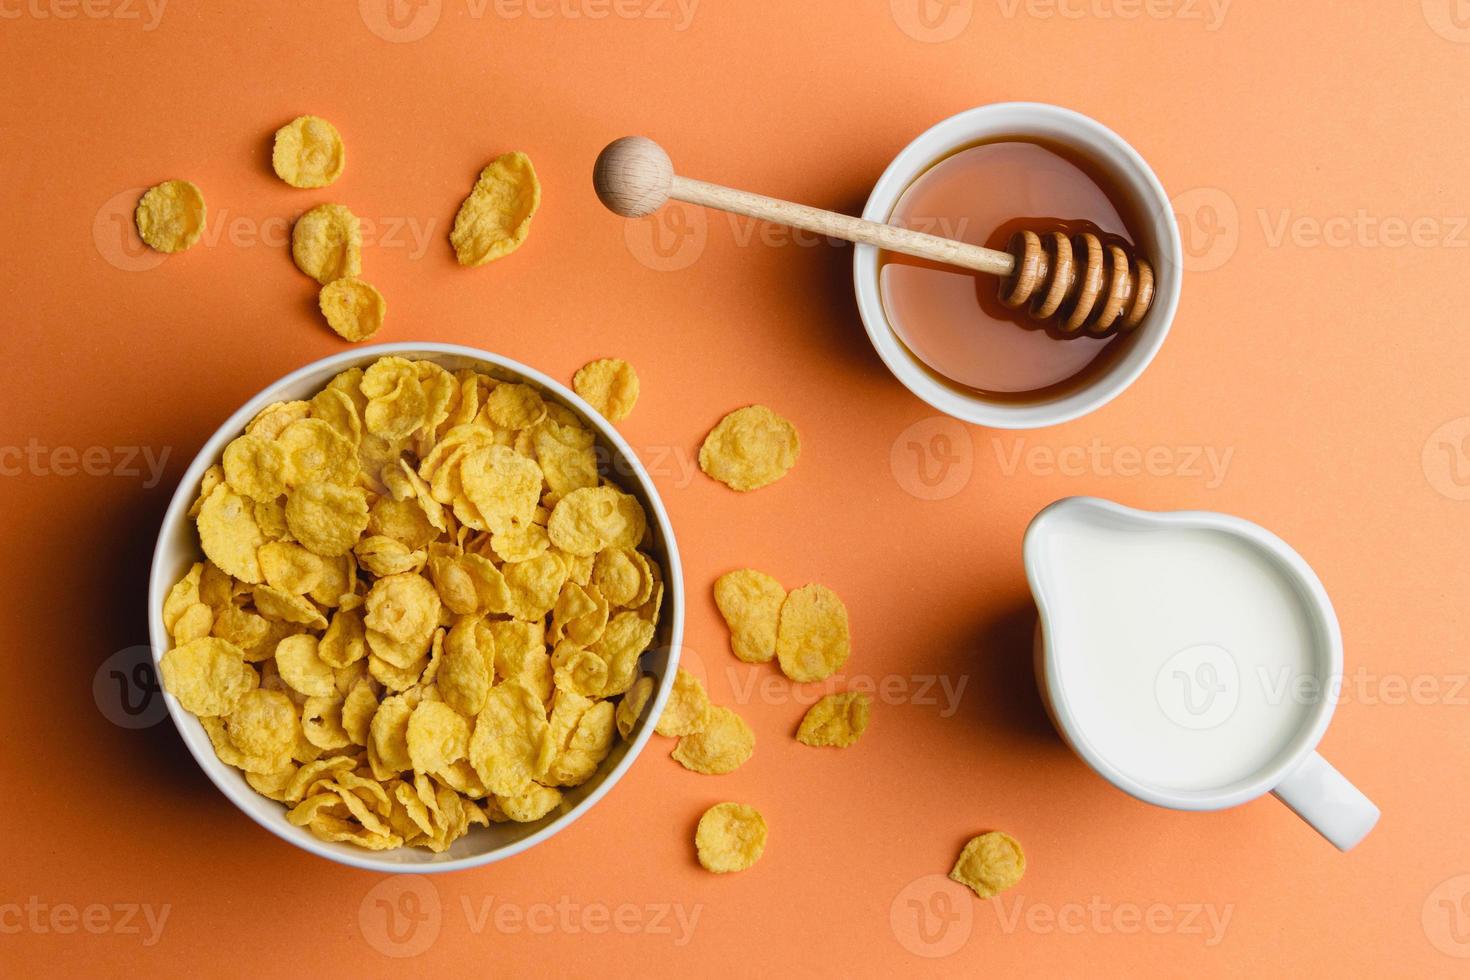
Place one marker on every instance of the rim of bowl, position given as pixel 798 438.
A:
pixel 1136 175
pixel 238 792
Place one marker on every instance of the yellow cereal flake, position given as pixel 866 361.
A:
pixel 495 219
pixel 722 747
pixel 630 709
pixel 326 243
pixel 288 566
pixel 255 466
pixel 229 534
pixel 990 864
pixel 325 518
pixel 301 667
pixel 308 152
pixel 750 601
pixel 837 720
pixel 730 837
pixel 531 805
pixel 608 385
pixel 812 640
pixel 511 745
pixel 750 448
pixel 586 521
pixel 207 675
pixel 438 736
pixel 688 708
pixel 353 308
pixel 170 216
pixel 264 725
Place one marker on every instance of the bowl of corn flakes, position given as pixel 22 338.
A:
pixel 416 607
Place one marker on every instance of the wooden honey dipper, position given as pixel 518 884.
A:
pixel 1076 284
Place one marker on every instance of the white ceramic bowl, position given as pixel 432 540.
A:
pixel 1132 177
pixel 178 547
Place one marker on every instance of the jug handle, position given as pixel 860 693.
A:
pixel 1323 797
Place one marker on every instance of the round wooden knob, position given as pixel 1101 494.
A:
pixel 633 176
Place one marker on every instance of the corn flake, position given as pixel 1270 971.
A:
pixel 207 675
pixel 730 837
pixel 608 385
pixel 438 736
pixel 308 152
pixel 511 744
pixel 750 448
pixel 326 243
pixel 812 639
pixel 750 601
pixel 837 720
pixel 990 864
pixel 630 709
pixel 687 710
pixel 495 219
pixel 170 216
pixel 325 518
pixel 722 747
pixel 229 534
pixel 353 308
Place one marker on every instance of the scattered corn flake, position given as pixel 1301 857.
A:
pixel 170 216
pixel 308 152
pixel 723 746
pixel 750 448
pixel 353 308
pixel 326 243
pixel 495 219
pixel 812 640
pixel 730 837
pixel 990 864
pixel 609 385
pixel 750 601
pixel 837 720
pixel 688 708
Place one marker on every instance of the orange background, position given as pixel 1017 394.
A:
pixel 1325 366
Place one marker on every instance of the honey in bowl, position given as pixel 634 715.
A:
pixel 952 320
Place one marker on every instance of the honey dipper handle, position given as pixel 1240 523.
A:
pixel 843 226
